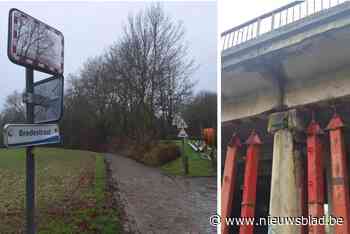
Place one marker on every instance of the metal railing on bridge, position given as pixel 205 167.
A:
pixel 273 20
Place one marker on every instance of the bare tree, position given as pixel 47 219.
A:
pixel 152 61
pixel 14 109
pixel 134 88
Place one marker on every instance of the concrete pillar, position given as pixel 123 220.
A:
pixel 287 186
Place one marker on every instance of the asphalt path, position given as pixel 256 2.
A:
pixel 154 202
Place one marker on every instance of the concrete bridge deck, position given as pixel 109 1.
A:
pixel 296 64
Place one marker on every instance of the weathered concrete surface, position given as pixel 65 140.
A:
pixel 286 186
pixel 326 86
pixel 251 104
pixel 161 204
pixel 309 58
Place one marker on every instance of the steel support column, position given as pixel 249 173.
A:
pixel 228 183
pixel 340 182
pixel 315 175
pixel 250 181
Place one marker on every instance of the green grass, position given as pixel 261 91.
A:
pixel 100 180
pixel 107 222
pixel 197 166
pixel 12 160
pixel 71 194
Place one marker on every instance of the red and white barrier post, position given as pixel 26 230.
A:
pixel 228 183
pixel 250 181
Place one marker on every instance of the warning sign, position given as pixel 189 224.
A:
pixel 182 134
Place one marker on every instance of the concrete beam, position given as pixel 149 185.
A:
pixel 329 86
pixel 250 105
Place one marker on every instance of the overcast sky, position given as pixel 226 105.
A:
pixel 90 27
pixel 233 13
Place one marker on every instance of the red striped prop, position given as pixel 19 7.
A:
pixel 209 136
pixel 34 44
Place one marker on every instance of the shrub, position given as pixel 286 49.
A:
pixel 161 153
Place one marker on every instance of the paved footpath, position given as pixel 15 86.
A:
pixel 160 204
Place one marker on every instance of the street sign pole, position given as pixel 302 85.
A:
pixel 182 134
pixel 184 157
pixel 30 162
pixel 43 52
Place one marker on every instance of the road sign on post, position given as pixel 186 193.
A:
pixel 36 46
pixel 175 120
pixel 181 124
pixel 182 134
pixel 30 161
pixel 21 135
pixel 49 106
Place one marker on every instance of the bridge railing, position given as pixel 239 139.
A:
pixel 274 20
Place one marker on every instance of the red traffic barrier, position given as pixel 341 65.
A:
pixel 340 183
pixel 228 183
pixel 209 136
pixel 315 175
pixel 250 181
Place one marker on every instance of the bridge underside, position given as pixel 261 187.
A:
pixel 303 66
pixel 296 65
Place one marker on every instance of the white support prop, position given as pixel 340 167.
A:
pixel 286 190
pixel 286 198
pixel 193 146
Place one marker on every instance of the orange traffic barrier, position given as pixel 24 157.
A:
pixel 228 183
pixel 340 183
pixel 315 176
pixel 209 136
pixel 250 181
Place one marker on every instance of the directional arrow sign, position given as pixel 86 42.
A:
pixel 182 134
pixel 21 135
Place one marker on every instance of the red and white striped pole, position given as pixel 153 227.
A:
pixel 250 181
pixel 315 175
pixel 228 183
pixel 340 182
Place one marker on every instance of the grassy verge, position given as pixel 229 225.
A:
pixel 71 193
pixel 197 165
pixel 100 180
pixel 106 219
